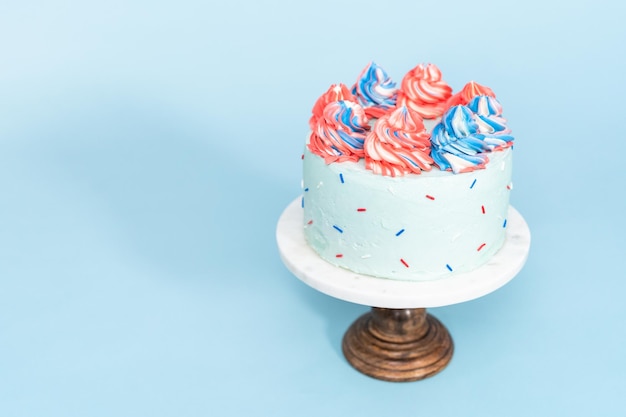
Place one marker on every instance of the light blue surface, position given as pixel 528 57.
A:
pixel 147 150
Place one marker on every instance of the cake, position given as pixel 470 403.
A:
pixel 409 181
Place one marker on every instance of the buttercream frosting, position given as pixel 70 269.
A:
pixel 340 132
pixel 424 91
pixel 398 144
pixel 336 92
pixel 375 90
pixel 468 92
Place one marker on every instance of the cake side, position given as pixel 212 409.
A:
pixel 417 227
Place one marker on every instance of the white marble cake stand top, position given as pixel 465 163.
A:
pixel 338 282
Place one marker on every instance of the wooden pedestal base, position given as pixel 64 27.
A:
pixel 398 345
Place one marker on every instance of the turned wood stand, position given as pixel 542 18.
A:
pixel 398 340
pixel 398 345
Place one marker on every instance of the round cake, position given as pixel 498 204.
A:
pixel 408 183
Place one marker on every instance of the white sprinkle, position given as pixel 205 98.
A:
pixel 366 256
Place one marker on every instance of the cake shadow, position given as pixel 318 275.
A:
pixel 337 314
pixel 173 197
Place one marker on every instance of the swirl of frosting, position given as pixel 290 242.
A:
pixel 375 91
pixel 340 132
pixel 336 92
pixel 491 125
pixel 398 144
pixel 456 142
pixel 485 105
pixel 468 92
pixel 423 91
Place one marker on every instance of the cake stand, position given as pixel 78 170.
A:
pixel 397 340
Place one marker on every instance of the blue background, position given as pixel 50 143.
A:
pixel 147 150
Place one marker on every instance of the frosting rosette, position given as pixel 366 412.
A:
pixel 456 143
pixel 424 91
pixel 340 132
pixel 488 115
pixel 465 133
pixel 398 144
pixel 468 92
pixel 336 92
pixel 375 91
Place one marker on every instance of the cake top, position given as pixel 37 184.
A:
pixel 384 124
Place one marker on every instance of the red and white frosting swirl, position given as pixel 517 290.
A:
pixel 424 91
pixel 398 144
pixel 468 92
pixel 336 92
pixel 340 133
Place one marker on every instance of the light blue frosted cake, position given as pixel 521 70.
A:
pixel 391 194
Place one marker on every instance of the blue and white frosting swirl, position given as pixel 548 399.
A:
pixel 485 106
pixel 461 141
pixel 488 114
pixel 374 88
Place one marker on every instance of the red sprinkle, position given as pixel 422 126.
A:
pixel 339 255
pixel 404 262
pixel 508 187
pixel 481 246
pixel 310 222
pixel 483 208
pixel 360 209
pixel 302 156
pixel 430 197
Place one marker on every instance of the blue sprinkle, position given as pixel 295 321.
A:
pixel 302 202
pixel 341 177
pixel 472 186
pixel 449 267
pixel 400 232
pixel 504 224
pixel 338 228
pixel 306 189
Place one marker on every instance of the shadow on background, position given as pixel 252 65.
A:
pixel 175 193
pixel 337 314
